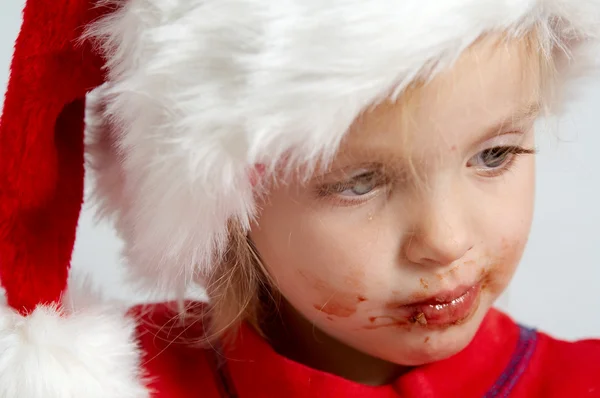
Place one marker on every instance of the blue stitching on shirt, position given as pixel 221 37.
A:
pixel 517 365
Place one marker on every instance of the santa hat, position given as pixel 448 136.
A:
pixel 189 95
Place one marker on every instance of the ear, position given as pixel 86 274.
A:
pixel 256 174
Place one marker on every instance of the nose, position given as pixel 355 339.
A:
pixel 440 234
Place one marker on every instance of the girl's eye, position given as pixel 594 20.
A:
pixel 354 190
pixel 360 186
pixel 497 159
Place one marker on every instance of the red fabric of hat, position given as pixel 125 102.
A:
pixel 41 150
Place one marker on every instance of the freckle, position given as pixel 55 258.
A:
pixel 426 340
pixel 424 283
pixel 440 276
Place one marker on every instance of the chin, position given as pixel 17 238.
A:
pixel 418 345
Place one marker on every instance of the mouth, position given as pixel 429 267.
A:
pixel 443 309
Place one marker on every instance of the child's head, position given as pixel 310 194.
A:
pixel 366 165
pixel 429 197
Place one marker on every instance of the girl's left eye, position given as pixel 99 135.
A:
pixel 497 159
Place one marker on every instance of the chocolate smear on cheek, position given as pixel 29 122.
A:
pixel 334 302
pixel 337 307
pixel 498 275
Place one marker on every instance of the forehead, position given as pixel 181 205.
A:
pixel 493 83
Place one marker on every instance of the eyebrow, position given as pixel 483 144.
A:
pixel 524 114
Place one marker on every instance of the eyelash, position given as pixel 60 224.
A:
pixel 379 179
pixel 508 154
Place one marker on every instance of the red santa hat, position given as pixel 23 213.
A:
pixel 189 95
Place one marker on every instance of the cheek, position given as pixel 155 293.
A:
pixel 504 263
pixel 507 231
pixel 335 301
pixel 315 272
pixel 319 265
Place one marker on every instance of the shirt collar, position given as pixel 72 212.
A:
pixel 256 368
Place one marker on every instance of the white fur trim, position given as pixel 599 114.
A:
pixel 80 349
pixel 200 90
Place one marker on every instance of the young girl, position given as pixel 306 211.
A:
pixel 352 182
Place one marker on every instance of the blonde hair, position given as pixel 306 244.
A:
pixel 239 285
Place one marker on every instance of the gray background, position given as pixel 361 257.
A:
pixel 556 286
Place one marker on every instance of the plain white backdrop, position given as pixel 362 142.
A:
pixel 556 287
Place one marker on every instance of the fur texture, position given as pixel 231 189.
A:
pixel 79 348
pixel 199 91
pixel 41 150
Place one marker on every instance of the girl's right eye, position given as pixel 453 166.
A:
pixel 355 190
pixel 359 186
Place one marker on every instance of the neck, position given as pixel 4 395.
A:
pixel 294 337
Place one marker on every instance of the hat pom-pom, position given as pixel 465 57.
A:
pixel 79 347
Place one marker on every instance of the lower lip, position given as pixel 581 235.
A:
pixel 447 313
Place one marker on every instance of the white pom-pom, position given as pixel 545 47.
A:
pixel 82 348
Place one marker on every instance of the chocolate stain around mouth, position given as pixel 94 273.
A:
pixel 378 322
pixel 487 276
pixel 343 304
pixel 420 318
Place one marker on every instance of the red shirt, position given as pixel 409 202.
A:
pixel 503 360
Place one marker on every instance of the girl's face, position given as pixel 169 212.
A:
pixel 401 247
